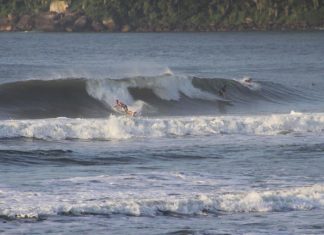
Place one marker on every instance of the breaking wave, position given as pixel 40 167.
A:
pixel 142 201
pixel 120 127
pixel 167 94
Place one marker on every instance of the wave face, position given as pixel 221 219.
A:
pixel 151 96
pixel 43 99
pixel 122 127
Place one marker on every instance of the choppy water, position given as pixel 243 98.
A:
pixel 194 161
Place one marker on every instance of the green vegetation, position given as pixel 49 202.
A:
pixel 187 15
pixel 23 6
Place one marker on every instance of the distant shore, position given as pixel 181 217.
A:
pixel 160 16
pixel 80 22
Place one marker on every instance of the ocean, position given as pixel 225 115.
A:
pixel 228 136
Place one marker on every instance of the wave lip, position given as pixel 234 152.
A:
pixel 116 127
pixel 17 205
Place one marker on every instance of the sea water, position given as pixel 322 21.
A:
pixel 194 160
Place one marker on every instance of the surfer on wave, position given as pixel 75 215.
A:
pixel 121 106
pixel 247 80
pixel 222 91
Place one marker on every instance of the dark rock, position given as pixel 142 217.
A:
pixel 25 23
pixel 67 20
pixel 97 26
pixel 83 23
pixel 47 22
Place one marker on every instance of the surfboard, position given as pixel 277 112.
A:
pixel 224 100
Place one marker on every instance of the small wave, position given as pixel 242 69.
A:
pixel 17 205
pixel 116 127
pixel 58 157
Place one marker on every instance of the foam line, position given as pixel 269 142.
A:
pixel 150 202
pixel 115 127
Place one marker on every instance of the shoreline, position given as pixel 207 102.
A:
pixel 315 29
pixel 80 22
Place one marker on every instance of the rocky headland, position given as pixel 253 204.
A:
pixel 167 16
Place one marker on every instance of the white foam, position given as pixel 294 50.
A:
pixel 120 127
pixel 303 198
pixel 167 87
pixel 152 201
pixel 292 112
pixel 168 72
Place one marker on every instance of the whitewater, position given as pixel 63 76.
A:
pixel 122 127
pixel 229 136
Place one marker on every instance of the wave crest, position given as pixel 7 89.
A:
pixel 124 128
pixel 152 203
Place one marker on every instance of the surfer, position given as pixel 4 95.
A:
pixel 121 105
pixel 248 80
pixel 222 91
